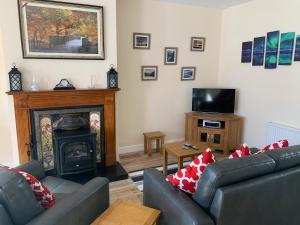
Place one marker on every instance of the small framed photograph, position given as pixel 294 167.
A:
pixel 171 56
pixel 188 73
pixel 149 73
pixel 198 44
pixel 141 41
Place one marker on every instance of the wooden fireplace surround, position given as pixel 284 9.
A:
pixel 27 100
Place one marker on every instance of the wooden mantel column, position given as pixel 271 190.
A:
pixel 27 100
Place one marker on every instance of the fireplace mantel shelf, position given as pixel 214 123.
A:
pixel 62 91
pixel 25 101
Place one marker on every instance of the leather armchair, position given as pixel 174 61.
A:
pixel 75 204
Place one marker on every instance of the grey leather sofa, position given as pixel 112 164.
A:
pixel 75 204
pixel 255 190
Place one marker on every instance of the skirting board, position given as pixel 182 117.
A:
pixel 140 147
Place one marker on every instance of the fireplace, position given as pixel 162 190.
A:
pixel 27 101
pixel 68 140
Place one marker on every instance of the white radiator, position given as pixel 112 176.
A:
pixel 276 132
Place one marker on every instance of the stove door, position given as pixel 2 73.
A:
pixel 77 156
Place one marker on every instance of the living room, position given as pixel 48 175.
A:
pixel 263 96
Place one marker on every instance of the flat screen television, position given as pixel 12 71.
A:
pixel 213 100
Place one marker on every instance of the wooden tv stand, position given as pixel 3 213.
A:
pixel 225 138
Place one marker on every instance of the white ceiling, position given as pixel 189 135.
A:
pixel 221 4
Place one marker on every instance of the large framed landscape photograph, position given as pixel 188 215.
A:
pixel 60 30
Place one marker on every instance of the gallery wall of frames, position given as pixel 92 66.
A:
pixel 273 50
pixel 142 41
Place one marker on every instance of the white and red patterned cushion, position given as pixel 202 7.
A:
pixel 42 194
pixel 277 145
pixel 242 151
pixel 187 178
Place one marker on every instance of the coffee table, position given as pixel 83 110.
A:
pixel 177 150
pixel 123 212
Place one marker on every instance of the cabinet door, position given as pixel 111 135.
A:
pixel 217 138
pixel 203 137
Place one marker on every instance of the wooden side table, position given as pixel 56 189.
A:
pixel 157 136
pixel 180 153
pixel 124 212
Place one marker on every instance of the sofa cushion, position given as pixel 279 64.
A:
pixel 229 172
pixel 276 145
pixel 187 178
pixel 59 185
pixel 285 158
pixel 42 194
pixel 242 151
pixel 17 197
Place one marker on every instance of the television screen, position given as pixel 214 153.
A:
pixel 213 100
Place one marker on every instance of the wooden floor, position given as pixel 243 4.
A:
pixel 139 161
pixel 125 189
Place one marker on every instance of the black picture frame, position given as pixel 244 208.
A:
pixel 188 77
pixel 171 58
pixel 200 47
pixel 22 4
pixel 149 77
pixel 143 37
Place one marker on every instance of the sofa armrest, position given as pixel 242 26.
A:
pixel 175 206
pixel 34 167
pixel 80 208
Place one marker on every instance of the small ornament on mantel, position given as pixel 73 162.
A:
pixel 15 79
pixel 64 84
pixel 112 78
pixel 34 85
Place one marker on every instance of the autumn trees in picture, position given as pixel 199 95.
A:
pixel 61 30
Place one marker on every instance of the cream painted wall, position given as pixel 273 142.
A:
pixel 265 95
pixel 160 105
pixel 6 154
pixel 47 72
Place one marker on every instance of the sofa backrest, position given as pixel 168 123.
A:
pixel 229 172
pixel 17 197
pixel 285 158
pixel 271 199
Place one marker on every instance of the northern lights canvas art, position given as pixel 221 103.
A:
pixel 246 52
pixel 286 48
pixel 258 51
pixel 297 49
pixel 272 50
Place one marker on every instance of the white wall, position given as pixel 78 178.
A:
pixel 265 95
pixel 47 72
pixel 160 105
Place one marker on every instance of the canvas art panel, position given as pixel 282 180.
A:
pixel 149 73
pixel 188 73
pixel 171 56
pixel 297 49
pixel 51 29
pixel 258 51
pixel 198 44
pixel 247 52
pixel 272 50
pixel 286 48
pixel 141 41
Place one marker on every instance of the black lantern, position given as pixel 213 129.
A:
pixel 15 79
pixel 112 78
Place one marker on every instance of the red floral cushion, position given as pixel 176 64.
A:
pixel 187 178
pixel 42 194
pixel 279 144
pixel 242 151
